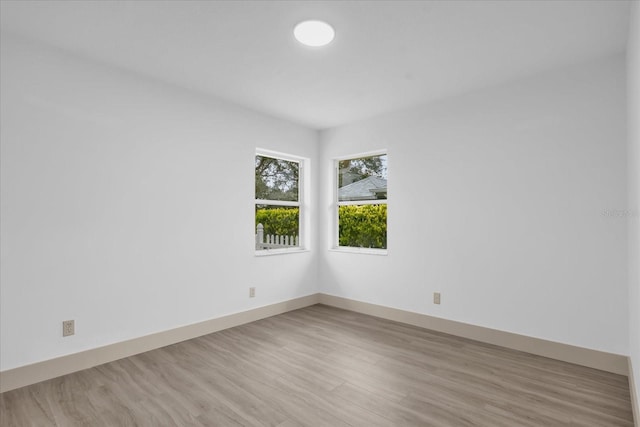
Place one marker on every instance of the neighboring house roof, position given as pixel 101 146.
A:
pixel 370 188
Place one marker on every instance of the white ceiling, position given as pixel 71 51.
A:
pixel 386 55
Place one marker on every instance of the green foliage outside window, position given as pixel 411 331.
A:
pixel 276 179
pixel 363 226
pixel 352 170
pixel 283 221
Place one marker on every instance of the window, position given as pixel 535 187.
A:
pixel 277 203
pixel 361 202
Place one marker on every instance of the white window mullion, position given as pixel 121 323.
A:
pixel 363 202
pixel 277 202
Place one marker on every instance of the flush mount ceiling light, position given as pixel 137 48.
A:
pixel 314 33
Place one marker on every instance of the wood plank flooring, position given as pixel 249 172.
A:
pixel 322 366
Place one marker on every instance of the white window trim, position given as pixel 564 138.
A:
pixel 302 203
pixel 354 250
pixel 272 252
pixel 335 247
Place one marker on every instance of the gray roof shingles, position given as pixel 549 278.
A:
pixel 365 189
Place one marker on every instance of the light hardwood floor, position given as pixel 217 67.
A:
pixel 322 366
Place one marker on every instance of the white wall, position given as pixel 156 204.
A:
pixel 633 73
pixel 127 205
pixel 114 189
pixel 501 200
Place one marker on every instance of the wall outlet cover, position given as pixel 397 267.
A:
pixel 68 328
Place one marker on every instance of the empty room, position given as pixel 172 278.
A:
pixel 319 213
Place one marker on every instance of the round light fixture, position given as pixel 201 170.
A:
pixel 314 33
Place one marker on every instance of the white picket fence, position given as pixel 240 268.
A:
pixel 273 241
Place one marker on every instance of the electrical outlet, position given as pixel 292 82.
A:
pixel 436 297
pixel 252 292
pixel 68 328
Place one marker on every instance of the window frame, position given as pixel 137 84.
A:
pixel 301 203
pixel 335 245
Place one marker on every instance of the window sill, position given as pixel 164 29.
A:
pixel 269 252
pixel 366 251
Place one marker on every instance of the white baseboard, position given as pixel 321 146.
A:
pixel 48 369
pixel 52 368
pixel 581 356
pixel 634 395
